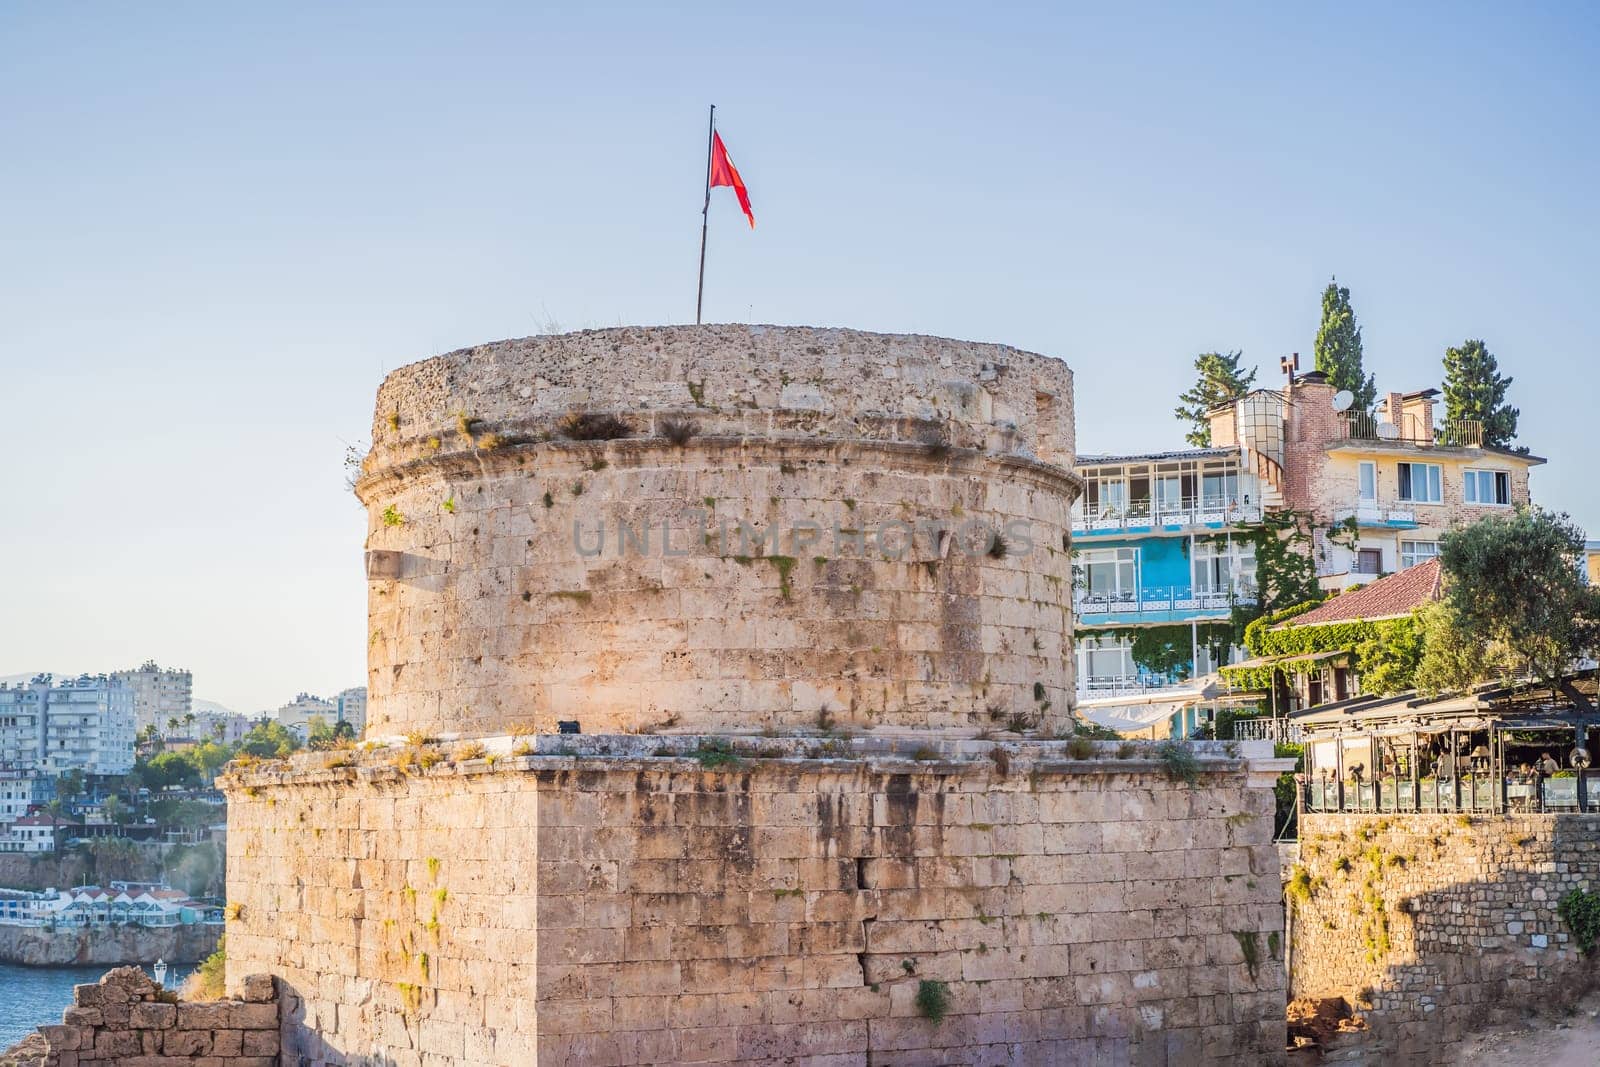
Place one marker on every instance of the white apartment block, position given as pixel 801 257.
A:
pixel 159 696
pixel 233 726
pixel 21 788
pixel 84 723
pixel 352 708
pixel 296 715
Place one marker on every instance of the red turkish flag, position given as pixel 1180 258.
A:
pixel 723 172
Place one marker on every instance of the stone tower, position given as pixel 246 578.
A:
pixel 817 812
pixel 720 528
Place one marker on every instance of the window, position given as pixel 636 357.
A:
pixel 1368 491
pixel 1223 567
pixel 1415 552
pixel 1105 659
pixel 1369 561
pixel 1169 492
pixel 1219 490
pixel 1109 572
pixel 1487 487
pixel 1109 497
pixel 1420 483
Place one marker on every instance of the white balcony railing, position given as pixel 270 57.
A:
pixel 1377 515
pixel 1141 515
pixel 1157 600
pixel 1129 686
pixel 1267 729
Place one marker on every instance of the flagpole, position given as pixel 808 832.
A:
pixel 705 216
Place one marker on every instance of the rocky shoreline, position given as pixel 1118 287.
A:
pixel 37 946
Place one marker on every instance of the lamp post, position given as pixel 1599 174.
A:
pixel 161 973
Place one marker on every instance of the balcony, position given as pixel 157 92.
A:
pixel 1411 429
pixel 1267 728
pixel 1141 517
pixel 1142 684
pixel 1383 516
pixel 1158 604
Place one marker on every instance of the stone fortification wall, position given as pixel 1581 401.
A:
pixel 821 901
pixel 1432 925
pixel 126 1020
pixel 795 525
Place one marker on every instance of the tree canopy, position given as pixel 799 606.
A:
pixel 1513 593
pixel 269 740
pixel 1474 388
pixel 1220 380
pixel 1338 348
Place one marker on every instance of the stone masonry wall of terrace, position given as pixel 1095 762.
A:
pixel 1432 925
pixel 684 900
pixel 829 555
pixel 126 1020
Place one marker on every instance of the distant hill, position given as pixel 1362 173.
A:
pixel 211 706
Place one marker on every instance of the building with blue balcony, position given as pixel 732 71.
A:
pixel 1163 550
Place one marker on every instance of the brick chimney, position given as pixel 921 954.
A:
pixel 1224 426
pixel 1394 408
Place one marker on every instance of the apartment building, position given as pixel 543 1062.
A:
pixel 297 715
pixel 84 723
pixel 1382 487
pixel 160 696
pixel 351 707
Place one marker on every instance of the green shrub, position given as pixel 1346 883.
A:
pixel 933 999
pixel 1180 761
pixel 207 981
pixel 716 753
pixel 1580 910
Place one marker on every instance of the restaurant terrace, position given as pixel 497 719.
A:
pixel 1506 747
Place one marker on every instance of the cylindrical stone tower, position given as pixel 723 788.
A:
pixel 720 528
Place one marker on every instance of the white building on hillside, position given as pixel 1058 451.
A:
pixel 84 723
pixel 31 833
pixel 160 696
pixel 352 708
pixel 21 788
pixel 229 727
pixel 296 715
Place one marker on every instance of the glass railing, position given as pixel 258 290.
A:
pixel 1473 793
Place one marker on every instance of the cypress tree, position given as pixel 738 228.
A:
pixel 1474 388
pixel 1338 348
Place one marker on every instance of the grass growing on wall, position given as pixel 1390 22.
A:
pixel 933 999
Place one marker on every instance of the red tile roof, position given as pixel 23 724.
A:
pixel 1387 598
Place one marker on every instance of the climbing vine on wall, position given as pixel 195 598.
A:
pixel 1285 571
pixel 1170 649
pixel 1386 653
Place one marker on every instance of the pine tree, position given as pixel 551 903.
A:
pixel 1338 348
pixel 1475 389
pixel 1220 381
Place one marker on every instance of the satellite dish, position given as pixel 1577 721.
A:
pixel 1343 399
pixel 1388 431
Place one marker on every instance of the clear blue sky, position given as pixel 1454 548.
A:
pixel 220 225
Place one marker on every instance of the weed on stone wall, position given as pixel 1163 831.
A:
pixel 678 431
pixel 593 426
pixel 1580 910
pixel 1180 762
pixel 933 999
